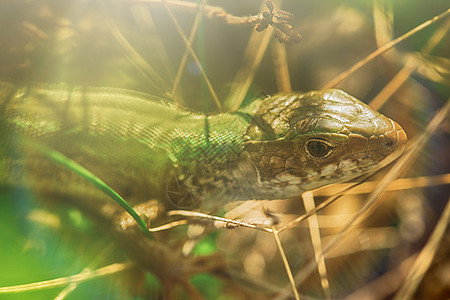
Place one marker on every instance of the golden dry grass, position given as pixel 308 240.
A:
pixel 383 238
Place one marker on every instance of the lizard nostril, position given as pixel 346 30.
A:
pixel 396 137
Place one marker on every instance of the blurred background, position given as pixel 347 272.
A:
pixel 137 45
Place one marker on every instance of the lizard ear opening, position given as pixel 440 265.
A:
pixel 318 148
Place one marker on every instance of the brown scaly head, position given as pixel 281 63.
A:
pixel 300 142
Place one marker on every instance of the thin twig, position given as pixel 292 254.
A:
pixel 194 214
pixel 279 20
pixel 212 12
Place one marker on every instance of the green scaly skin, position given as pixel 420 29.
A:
pixel 145 148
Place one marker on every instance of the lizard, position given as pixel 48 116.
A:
pixel 145 148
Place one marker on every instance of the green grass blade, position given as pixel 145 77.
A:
pixel 68 163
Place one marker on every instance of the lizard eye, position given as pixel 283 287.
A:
pixel 317 148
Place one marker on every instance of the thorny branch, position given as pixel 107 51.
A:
pixel 279 20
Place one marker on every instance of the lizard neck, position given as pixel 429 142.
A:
pixel 209 159
pixel 212 139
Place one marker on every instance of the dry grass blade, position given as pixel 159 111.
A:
pixel 382 49
pixel 254 52
pixel 389 89
pixel 182 65
pixel 286 263
pixel 85 276
pixel 152 76
pixel 425 258
pixel 383 17
pixel 70 288
pixel 194 56
pixel 314 231
pixel 385 285
pixel 383 238
pixel 146 22
pixel 136 59
pixel 281 67
pixel 316 209
pixel 396 185
pixel 411 65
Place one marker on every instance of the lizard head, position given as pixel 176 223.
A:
pixel 300 142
